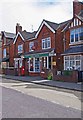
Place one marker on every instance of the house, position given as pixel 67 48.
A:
pixel 52 47
pixel 73 32
pixel 40 49
pixel 7 49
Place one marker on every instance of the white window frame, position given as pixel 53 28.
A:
pixel 34 65
pixel 75 60
pixel 20 62
pixel 31 44
pixel 20 48
pixel 16 63
pixel 48 39
pixel 75 30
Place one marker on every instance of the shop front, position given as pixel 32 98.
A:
pixel 19 66
pixel 37 62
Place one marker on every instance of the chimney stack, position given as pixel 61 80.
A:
pixel 18 28
pixel 77 7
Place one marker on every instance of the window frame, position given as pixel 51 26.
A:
pixel 45 43
pixel 31 44
pixel 75 32
pixel 4 53
pixel 20 50
pixel 72 60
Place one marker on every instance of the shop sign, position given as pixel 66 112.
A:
pixel 53 63
pixel 36 55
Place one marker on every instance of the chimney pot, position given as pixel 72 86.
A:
pixel 18 28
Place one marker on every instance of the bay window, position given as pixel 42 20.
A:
pixel 73 62
pixel 76 35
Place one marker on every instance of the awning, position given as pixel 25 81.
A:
pixel 5 59
pixel 78 49
pixel 36 55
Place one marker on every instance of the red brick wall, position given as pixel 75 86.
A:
pixel 11 59
pixel 19 41
pixel 59 49
pixel 44 33
pixel 66 78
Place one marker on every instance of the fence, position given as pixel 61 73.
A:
pixel 66 76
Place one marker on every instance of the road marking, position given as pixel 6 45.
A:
pixel 39 81
pixel 61 98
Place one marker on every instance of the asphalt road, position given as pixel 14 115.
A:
pixel 23 100
pixel 18 105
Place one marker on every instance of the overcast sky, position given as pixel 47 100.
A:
pixel 31 13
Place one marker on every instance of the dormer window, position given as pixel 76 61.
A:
pixel 76 35
pixel 20 48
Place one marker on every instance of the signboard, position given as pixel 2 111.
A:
pixel 58 72
pixel 53 63
pixel 36 55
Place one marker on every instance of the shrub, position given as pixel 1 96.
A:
pixel 67 72
pixel 50 75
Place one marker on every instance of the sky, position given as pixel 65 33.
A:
pixel 30 13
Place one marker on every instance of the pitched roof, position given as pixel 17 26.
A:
pixel 28 35
pixel 9 35
pixel 74 49
pixel 64 23
pixel 52 24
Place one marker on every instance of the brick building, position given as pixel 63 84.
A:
pixel 52 46
pixel 40 49
pixel 73 51
pixel 7 49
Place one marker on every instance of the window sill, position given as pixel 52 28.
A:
pixel 76 43
pixel 46 48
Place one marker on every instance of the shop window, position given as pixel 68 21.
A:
pixel 37 65
pixel 31 64
pixel 20 63
pixel 16 63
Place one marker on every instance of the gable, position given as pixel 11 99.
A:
pixel 41 26
pixel 19 34
pixel 75 22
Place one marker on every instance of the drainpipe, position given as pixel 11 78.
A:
pixel 64 40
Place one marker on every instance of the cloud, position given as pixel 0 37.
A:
pixel 32 12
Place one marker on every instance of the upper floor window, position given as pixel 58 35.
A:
pixel 76 35
pixel 4 53
pixel 20 48
pixel 46 43
pixel 31 45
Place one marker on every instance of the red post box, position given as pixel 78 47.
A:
pixel 22 70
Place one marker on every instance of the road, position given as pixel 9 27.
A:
pixel 28 100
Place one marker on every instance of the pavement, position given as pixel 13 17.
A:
pixel 38 80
